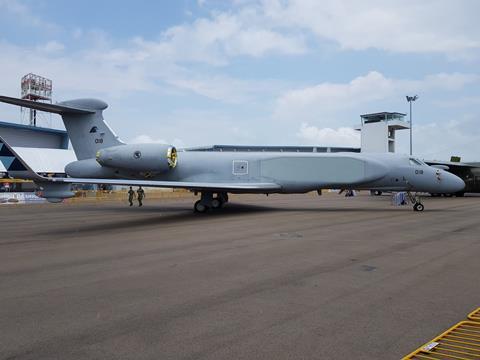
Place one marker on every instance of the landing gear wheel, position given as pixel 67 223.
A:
pixel 223 197
pixel 418 207
pixel 199 207
pixel 216 203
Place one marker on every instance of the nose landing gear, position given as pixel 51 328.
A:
pixel 416 201
pixel 418 207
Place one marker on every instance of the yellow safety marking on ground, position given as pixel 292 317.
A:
pixel 8 180
pixel 474 315
pixel 460 342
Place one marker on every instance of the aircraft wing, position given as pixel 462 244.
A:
pixel 213 186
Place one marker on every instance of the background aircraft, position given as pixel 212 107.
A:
pixel 468 172
pixel 104 159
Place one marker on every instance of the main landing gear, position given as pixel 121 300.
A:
pixel 209 201
pixel 416 201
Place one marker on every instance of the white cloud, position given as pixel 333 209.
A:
pixel 224 88
pixel 215 40
pixel 320 101
pixel 440 140
pixel 400 26
pixel 72 72
pixel 116 72
pixel 344 136
pixel 51 47
pixel 445 81
pixel 332 96
pixel 463 101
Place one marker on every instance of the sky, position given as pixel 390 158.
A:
pixel 273 72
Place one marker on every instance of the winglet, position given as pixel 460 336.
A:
pixel 52 108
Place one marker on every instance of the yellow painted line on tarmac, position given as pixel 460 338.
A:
pixel 474 315
pixel 460 342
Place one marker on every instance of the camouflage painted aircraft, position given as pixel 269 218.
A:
pixel 104 159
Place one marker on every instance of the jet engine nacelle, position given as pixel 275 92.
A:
pixel 156 158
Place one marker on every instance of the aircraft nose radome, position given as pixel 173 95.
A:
pixel 453 183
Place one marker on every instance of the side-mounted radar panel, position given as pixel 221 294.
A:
pixel 147 158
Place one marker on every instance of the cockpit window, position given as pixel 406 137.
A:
pixel 415 162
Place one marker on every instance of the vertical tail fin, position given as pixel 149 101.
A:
pixel 83 120
pixel 88 132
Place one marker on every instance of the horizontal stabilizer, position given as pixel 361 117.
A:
pixel 52 108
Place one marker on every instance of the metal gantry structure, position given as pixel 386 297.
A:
pixel 35 88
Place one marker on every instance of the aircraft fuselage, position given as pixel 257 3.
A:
pixel 294 172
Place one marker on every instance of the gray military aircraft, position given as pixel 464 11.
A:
pixel 104 159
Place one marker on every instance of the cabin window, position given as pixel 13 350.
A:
pixel 415 162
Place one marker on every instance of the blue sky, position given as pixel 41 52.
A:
pixel 255 72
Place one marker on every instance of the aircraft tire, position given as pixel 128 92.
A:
pixel 216 203
pixel 199 207
pixel 418 207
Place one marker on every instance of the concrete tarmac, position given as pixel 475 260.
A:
pixel 278 277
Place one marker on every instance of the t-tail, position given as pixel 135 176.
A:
pixel 83 119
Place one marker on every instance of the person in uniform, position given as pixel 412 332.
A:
pixel 131 196
pixel 140 196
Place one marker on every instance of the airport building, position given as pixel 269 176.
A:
pixel 27 140
pixel 33 136
pixel 378 131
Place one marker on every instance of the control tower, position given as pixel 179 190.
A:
pixel 378 131
pixel 35 88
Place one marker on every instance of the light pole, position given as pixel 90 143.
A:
pixel 411 99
